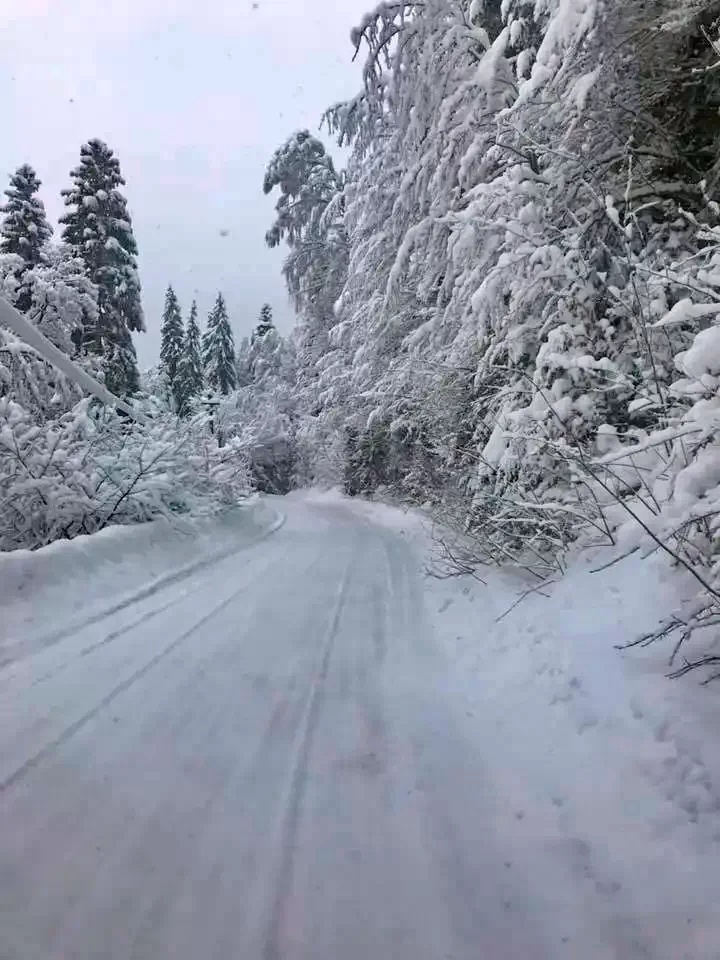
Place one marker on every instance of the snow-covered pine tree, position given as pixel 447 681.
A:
pixel 310 212
pixel 98 228
pixel 311 220
pixel 265 321
pixel 218 350
pixel 189 378
pixel 266 356
pixel 171 344
pixel 263 410
pixel 24 230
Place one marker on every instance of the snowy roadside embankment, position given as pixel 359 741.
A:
pixel 611 767
pixel 47 593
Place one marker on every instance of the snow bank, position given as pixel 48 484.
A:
pixel 612 770
pixel 80 578
pixel 606 759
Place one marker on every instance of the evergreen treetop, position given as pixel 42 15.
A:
pixel 189 382
pixel 171 337
pixel 218 350
pixel 25 229
pixel 98 228
pixel 265 321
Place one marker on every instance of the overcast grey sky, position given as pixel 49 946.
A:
pixel 193 96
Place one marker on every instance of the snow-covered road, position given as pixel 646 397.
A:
pixel 267 759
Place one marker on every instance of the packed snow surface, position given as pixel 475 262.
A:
pixel 292 741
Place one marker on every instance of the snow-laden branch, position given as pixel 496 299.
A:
pixel 10 318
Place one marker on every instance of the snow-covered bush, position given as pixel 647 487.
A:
pixel 262 413
pixel 28 380
pixel 261 424
pixel 319 453
pixel 92 467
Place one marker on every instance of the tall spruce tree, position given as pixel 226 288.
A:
pixel 171 343
pixel 265 321
pixel 218 350
pixel 25 229
pixel 189 370
pixel 98 228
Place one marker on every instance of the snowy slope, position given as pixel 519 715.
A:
pixel 309 748
pixel 604 762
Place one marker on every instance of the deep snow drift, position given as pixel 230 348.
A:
pixel 306 746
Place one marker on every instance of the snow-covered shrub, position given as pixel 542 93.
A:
pixel 262 413
pixel 92 467
pixel 30 381
pixel 319 453
pixel 260 423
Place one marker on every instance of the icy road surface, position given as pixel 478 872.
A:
pixel 267 759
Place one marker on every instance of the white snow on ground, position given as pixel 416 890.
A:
pixel 603 761
pixel 304 746
pixel 46 594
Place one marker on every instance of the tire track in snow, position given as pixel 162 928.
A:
pixel 160 583
pixel 77 725
pixel 277 927
pixel 115 634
